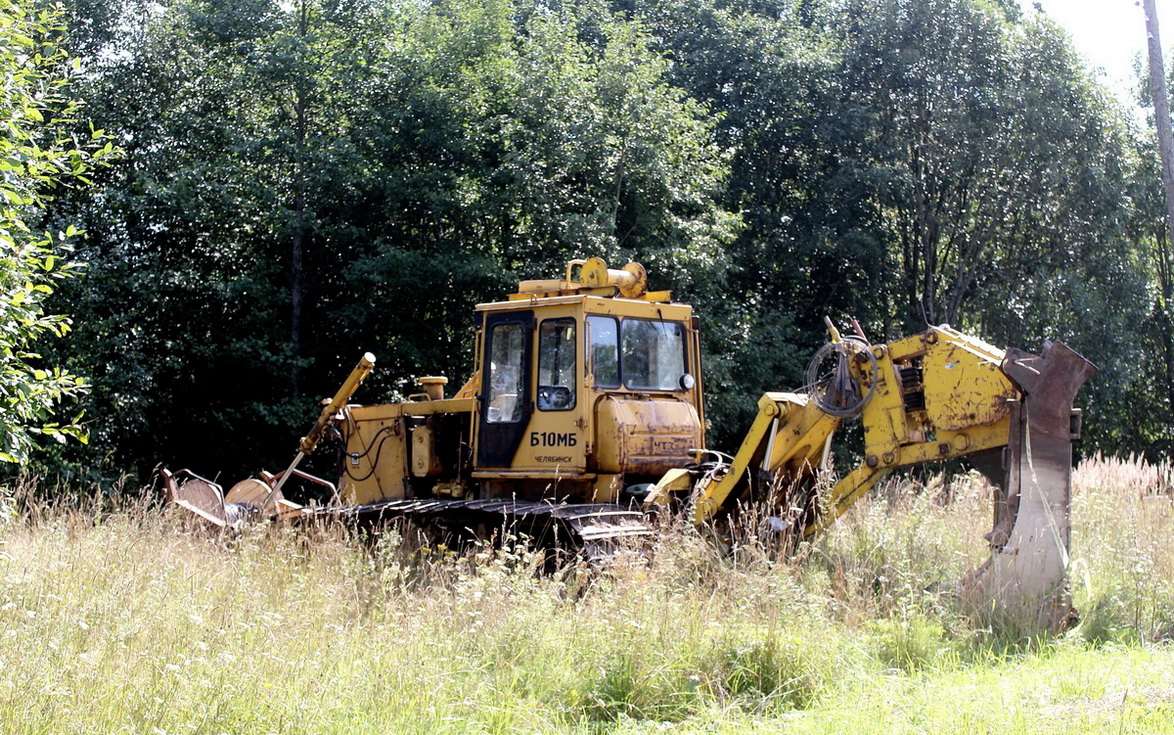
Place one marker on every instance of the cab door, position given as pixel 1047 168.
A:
pixel 506 405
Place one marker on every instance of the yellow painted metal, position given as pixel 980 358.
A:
pixel 592 277
pixel 644 436
pixel 864 477
pixel 800 443
pixel 336 404
pixel 606 488
pixel 934 395
pixel 674 482
pixel 964 386
pixel 469 389
pixel 555 442
pixel 931 396
pixel 425 463
pixel 352 383
pixel 433 386
pixel 376 461
pixel 631 280
pixel 937 395
pixel 613 434
pixel 587 452
pixel 789 434
pixel 545 289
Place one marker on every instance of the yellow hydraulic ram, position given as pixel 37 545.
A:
pixel 311 439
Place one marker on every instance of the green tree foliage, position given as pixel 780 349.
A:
pixel 808 245
pixel 306 181
pixel 37 155
pixel 1002 163
pixel 1004 179
pixel 912 163
pixel 510 156
pixel 1150 402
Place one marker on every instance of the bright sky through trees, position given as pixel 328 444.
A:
pixel 1110 33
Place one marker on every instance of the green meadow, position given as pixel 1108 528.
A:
pixel 122 620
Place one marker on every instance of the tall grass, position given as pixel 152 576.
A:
pixel 1123 549
pixel 121 620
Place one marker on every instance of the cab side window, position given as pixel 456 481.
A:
pixel 604 351
pixel 506 373
pixel 556 365
pixel 653 354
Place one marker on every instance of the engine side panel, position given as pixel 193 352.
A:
pixel 644 436
pixel 402 450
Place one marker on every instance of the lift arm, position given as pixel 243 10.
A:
pixel 929 397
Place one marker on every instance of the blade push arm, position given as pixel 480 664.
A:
pixel 790 434
pixel 352 383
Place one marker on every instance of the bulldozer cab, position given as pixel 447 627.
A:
pixel 589 384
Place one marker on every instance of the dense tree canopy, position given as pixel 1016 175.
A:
pixel 301 181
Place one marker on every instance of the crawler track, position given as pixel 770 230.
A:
pixel 597 529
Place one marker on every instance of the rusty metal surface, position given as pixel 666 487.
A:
pixel 645 436
pixel 249 492
pixel 198 495
pixel 1026 576
pixel 964 388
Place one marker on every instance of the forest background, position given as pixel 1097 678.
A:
pixel 289 183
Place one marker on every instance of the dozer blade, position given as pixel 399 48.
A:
pixel 205 499
pixel 1025 579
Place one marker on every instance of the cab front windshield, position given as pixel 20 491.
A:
pixel 640 354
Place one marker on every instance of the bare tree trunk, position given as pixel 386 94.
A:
pixel 1162 310
pixel 295 296
pixel 1161 110
pixel 1166 152
pixel 297 244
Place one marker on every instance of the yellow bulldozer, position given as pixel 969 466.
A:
pixel 584 414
